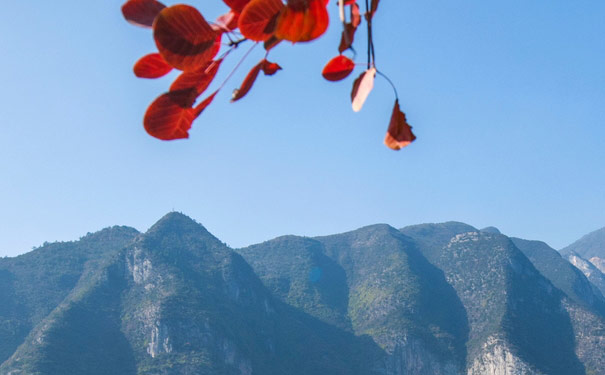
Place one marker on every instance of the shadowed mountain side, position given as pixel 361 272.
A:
pixel 586 310
pixel 396 296
pixel 511 307
pixel 562 274
pixel 83 334
pixel 592 273
pixel 537 322
pixel 297 271
pixel 33 284
pixel 372 281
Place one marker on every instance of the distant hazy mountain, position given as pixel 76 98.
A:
pixel 588 255
pixel 492 230
pixel 562 274
pixel 590 245
pixel 592 273
pixel 442 299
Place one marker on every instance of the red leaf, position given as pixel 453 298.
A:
pixel 271 42
pixel 247 84
pixel 347 38
pixel 151 66
pixel 355 16
pixel 302 20
pixel 228 21
pixel 338 68
pixel 199 80
pixel 184 38
pixel 269 68
pixel 373 7
pixel 362 87
pixel 257 21
pixel 399 133
pixel 141 12
pixel 205 103
pixel 236 5
pixel 169 117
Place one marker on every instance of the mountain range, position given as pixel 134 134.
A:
pixel 443 299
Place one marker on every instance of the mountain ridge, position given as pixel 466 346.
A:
pixel 588 246
pixel 441 298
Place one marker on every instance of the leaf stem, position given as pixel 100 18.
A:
pixel 390 82
pixel 238 64
pixel 236 43
pixel 369 25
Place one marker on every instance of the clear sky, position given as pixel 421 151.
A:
pixel 507 99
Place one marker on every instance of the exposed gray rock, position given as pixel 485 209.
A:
pixel 496 358
pixel 592 273
pixel 599 263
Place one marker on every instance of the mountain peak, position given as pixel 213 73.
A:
pixel 176 216
pixel 381 228
pixel 368 233
pixel 110 232
pixel 491 230
pixel 438 234
pixel 455 226
pixel 175 219
pixel 178 224
pixel 590 245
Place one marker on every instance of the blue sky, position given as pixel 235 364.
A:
pixel 507 99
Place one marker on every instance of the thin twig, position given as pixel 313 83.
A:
pixel 369 23
pixel 237 66
pixel 390 82
pixel 236 43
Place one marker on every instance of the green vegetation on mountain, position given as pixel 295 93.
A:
pixel 372 281
pixel 505 297
pixel 297 271
pixel 431 299
pixel 33 284
pixel 562 274
pixel 178 301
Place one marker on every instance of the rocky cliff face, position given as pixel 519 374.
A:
pixel 508 299
pixel 509 303
pixel 598 262
pixel 497 358
pixel 592 273
pixel 440 299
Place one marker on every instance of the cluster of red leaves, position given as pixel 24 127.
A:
pixel 187 42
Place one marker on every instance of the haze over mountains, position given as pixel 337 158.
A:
pixel 426 299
